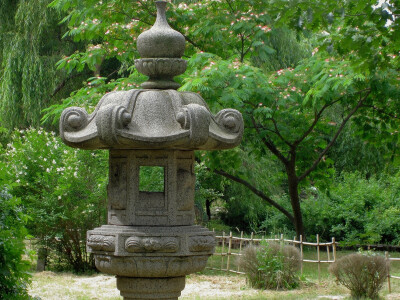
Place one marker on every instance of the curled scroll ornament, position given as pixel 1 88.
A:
pixel 110 118
pixel 73 119
pixel 231 120
pixel 195 118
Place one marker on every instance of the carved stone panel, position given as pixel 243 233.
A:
pixel 151 244
pixel 117 188
pixel 185 185
pixel 101 243
pixel 201 243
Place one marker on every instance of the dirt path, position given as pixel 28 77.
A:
pixel 67 286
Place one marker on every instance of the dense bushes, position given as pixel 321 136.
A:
pixel 356 210
pixel 14 274
pixel 271 266
pixel 63 190
pixel 362 274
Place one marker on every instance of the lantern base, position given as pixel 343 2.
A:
pixel 168 288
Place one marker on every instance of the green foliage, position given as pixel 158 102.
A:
pixel 30 46
pixel 151 179
pixel 362 273
pixel 271 266
pixel 355 210
pixel 63 190
pixel 14 276
pixel 256 56
pixel 244 215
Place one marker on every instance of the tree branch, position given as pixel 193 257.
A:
pixel 382 111
pixel 270 145
pixel 277 132
pixel 256 192
pixel 316 119
pixel 321 155
pixel 230 6
pixel 62 84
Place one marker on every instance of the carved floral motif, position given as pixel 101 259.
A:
pixel 151 244
pixel 101 243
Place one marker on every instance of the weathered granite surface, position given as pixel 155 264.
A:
pixel 151 119
pixel 150 242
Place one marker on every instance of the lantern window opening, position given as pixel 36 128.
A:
pixel 152 179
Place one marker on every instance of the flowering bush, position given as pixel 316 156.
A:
pixel 63 189
pixel 14 274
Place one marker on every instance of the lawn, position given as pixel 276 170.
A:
pixel 208 285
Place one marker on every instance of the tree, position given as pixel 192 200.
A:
pixel 30 45
pixel 297 112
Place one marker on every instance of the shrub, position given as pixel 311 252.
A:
pixel 63 190
pixel 362 274
pixel 14 275
pixel 271 266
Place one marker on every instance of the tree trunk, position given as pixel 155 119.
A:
pixel 295 200
pixel 41 260
pixel 208 209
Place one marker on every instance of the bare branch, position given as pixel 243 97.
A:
pixel 256 192
pixel 321 155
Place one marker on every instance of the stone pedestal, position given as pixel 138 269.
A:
pixel 150 288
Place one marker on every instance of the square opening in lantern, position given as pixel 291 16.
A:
pixel 151 179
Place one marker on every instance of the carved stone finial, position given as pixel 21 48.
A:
pixel 161 48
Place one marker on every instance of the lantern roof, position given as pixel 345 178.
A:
pixel 157 116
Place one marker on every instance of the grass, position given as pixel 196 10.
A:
pixel 209 284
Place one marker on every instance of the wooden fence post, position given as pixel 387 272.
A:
pixel 240 248
pixel 388 271
pixel 328 252
pixel 334 249
pixel 301 253
pixel 319 259
pixel 228 259
pixel 222 250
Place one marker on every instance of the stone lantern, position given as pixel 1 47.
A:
pixel 150 242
